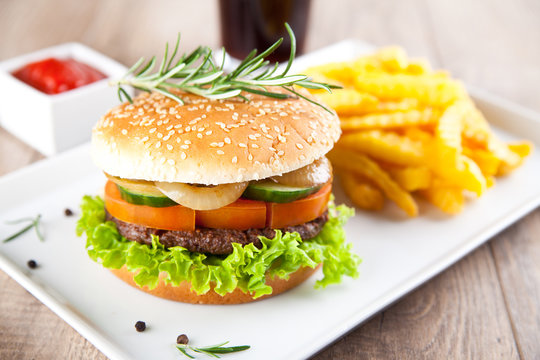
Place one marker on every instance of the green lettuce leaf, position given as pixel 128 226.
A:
pixel 245 268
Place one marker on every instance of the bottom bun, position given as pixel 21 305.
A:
pixel 184 293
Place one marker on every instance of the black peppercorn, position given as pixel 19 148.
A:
pixel 68 212
pixel 182 339
pixel 140 326
pixel 32 264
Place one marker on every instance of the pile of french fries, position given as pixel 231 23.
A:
pixel 408 129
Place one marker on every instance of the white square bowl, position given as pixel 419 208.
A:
pixel 54 123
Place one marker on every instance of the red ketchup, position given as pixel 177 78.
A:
pixel 54 76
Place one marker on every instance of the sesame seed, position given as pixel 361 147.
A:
pixel 152 130
pixel 158 144
pixel 124 132
pixel 169 128
pixel 250 157
pixel 185 147
pixel 234 159
pixel 169 147
pixel 281 152
pixel 187 142
pixel 255 146
pixel 199 135
pixel 299 146
pixel 252 137
pixel 162 160
pixel 166 138
pixel 171 162
pixel 183 155
pixel 227 140
pixel 242 145
pixel 209 132
pixel 283 113
pixel 302 157
pixel 220 152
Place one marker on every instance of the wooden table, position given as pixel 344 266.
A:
pixel 485 306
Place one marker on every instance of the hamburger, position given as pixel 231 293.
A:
pixel 216 201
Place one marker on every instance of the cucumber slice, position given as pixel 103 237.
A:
pixel 144 199
pixel 278 193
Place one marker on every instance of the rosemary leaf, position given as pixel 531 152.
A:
pixel 34 223
pixel 18 233
pixel 197 73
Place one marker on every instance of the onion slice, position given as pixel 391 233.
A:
pixel 202 197
pixel 317 173
pixel 137 186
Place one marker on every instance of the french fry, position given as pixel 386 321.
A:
pixel 363 166
pixel 408 128
pixel 448 199
pixel 418 67
pixel 347 102
pixel 392 120
pixel 522 148
pixel 490 181
pixel 446 157
pixel 431 91
pixel 401 105
pixel 393 59
pixel 363 194
pixel 411 178
pixel 486 161
pixel 385 146
pixel 345 72
pixel 417 134
pixel 475 127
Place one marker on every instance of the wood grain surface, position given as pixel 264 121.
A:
pixel 486 306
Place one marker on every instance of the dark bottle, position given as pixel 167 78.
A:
pixel 257 24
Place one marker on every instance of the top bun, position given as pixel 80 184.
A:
pixel 211 141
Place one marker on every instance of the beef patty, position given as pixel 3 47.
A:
pixel 212 241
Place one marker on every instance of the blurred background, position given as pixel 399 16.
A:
pixel 479 41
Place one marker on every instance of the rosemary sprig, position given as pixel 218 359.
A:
pixel 197 73
pixel 212 350
pixel 34 223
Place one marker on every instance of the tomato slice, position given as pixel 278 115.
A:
pixel 280 215
pixel 167 218
pixel 240 215
pixel 243 214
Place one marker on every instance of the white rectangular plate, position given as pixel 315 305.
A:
pixel 399 254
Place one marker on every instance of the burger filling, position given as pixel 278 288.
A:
pixel 221 237
pixel 213 241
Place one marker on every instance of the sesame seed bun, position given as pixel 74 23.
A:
pixel 183 292
pixel 211 141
